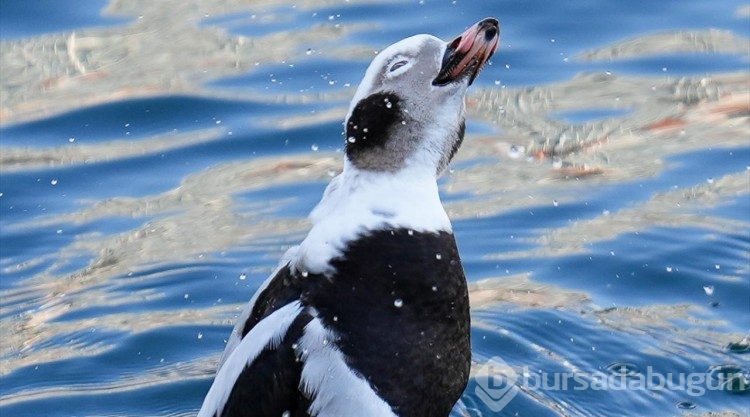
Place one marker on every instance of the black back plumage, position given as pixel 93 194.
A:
pixel 386 280
pixel 269 386
pixel 413 282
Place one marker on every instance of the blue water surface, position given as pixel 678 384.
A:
pixel 24 19
pixel 133 230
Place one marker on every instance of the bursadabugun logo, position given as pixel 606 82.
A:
pixel 496 384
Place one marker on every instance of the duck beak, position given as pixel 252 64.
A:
pixel 466 55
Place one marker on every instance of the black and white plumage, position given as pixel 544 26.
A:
pixel 369 315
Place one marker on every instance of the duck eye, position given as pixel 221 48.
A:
pixel 398 65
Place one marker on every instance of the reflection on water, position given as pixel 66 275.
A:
pixel 154 170
pixel 163 51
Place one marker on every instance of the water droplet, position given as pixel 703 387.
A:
pixel 186 296
pixel 200 335
pixel 59 231
pixel 305 274
pixel 717 266
pixel 243 276
pixel 732 378
pixel 335 318
pixel 438 256
pixel 516 152
pixel 710 180
pixel 669 269
pixel 314 147
pixel 364 129
pixel 71 140
pixel 351 139
pixel 388 105
pixel 53 182
pixel 623 369
pixel 708 289
pixel 497 82
pixel 434 288
pixel 398 303
pixel 743 346
pixel 410 232
pixel 325 342
pixel 685 405
pixel 555 203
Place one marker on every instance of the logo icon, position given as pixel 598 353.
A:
pixel 496 384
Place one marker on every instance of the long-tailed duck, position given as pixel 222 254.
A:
pixel 369 315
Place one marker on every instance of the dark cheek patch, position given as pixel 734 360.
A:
pixel 457 142
pixel 370 123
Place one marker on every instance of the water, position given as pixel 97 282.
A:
pixel 157 160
